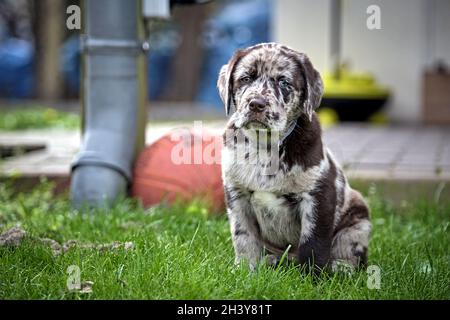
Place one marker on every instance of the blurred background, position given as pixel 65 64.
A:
pixel 40 57
pixel 385 65
pixel 385 116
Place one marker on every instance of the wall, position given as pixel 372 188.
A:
pixel 397 54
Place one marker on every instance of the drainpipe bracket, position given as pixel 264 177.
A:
pixel 92 158
pixel 112 46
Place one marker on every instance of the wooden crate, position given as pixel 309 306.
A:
pixel 436 98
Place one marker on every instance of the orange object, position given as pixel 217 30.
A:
pixel 181 165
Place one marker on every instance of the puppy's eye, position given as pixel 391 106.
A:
pixel 283 83
pixel 246 79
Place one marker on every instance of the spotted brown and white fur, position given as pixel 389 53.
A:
pixel 305 207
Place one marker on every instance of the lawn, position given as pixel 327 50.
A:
pixel 179 252
pixel 37 117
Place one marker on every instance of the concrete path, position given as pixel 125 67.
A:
pixel 407 153
pixel 365 152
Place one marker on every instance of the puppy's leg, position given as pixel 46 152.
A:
pixel 244 228
pixel 316 234
pixel 351 239
pixel 247 246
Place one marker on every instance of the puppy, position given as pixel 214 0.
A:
pixel 303 205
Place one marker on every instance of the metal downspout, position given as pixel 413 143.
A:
pixel 113 102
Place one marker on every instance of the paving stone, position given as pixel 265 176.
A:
pixel 364 151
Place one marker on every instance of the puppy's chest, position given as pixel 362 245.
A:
pixel 278 200
pixel 255 176
pixel 267 177
pixel 278 217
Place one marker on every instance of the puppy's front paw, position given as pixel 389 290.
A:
pixel 342 266
pixel 272 260
pixel 240 262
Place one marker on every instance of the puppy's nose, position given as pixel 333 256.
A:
pixel 257 105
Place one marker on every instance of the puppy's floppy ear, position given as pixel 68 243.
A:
pixel 225 80
pixel 313 85
pixel 224 88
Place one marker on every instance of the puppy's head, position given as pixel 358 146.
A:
pixel 269 86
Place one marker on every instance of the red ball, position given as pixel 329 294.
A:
pixel 180 165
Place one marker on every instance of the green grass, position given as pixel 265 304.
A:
pixel 37 118
pixel 181 253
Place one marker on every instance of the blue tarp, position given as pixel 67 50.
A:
pixel 16 68
pixel 237 24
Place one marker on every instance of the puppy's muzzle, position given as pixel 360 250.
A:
pixel 258 104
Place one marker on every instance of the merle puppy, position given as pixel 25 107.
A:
pixel 305 207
